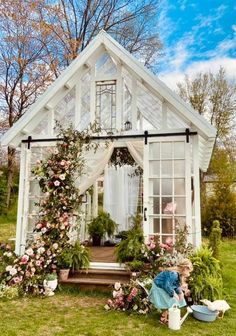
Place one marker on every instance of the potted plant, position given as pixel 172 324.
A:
pixel 79 256
pixel 50 282
pixel 99 226
pixel 64 262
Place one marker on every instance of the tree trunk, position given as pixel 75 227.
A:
pixel 10 174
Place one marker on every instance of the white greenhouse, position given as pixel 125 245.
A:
pixel 168 139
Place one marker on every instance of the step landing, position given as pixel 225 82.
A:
pixel 97 279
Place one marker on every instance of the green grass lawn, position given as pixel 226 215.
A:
pixel 75 313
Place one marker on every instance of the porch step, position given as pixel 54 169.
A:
pixel 97 279
pixel 101 274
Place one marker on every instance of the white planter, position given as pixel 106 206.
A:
pixel 50 286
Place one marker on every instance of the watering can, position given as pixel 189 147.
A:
pixel 175 320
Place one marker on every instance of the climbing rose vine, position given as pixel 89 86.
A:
pixel 56 176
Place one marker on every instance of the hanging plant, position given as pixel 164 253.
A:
pixel 56 176
pixel 121 156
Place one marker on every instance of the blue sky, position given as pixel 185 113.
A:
pixel 198 36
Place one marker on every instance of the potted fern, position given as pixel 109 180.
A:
pixel 79 256
pixel 100 226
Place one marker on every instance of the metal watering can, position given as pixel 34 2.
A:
pixel 175 320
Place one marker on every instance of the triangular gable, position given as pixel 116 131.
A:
pixel 123 57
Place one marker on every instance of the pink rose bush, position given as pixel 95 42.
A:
pixel 129 297
pixel 56 213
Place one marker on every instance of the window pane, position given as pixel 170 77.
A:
pixel 179 149
pixel 167 205
pixel 154 186
pixel 154 150
pixel 179 168
pixel 154 205
pixel 155 168
pixel 180 223
pixel 166 168
pixel 166 150
pixel 180 205
pixel 179 186
pixel 167 225
pixel 166 185
pixel 156 225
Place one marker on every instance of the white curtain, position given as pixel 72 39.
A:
pixel 136 150
pixel 121 191
pixel 95 163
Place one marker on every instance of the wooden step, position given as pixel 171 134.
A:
pixel 92 281
pixel 101 273
pixel 97 279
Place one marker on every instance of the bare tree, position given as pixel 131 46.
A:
pixel 74 23
pixel 23 72
pixel 213 96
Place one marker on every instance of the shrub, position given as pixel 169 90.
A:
pixel 80 256
pixel 206 279
pixel 131 248
pixel 215 239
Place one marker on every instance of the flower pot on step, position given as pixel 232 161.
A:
pixel 63 274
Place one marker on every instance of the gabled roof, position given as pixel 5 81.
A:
pixel 206 131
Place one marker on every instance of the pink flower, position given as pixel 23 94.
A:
pixel 24 259
pixel 134 291
pixel 57 183
pixel 38 263
pixel 130 298
pixel 17 279
pixel 169 242
pixel 39 225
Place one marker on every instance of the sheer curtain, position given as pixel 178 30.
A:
pixel 95 163
pixel 136 150
pixel 121 191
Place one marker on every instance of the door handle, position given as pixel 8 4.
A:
pixel 145 214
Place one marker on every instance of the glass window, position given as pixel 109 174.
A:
pixel 154 187
pixel 166 150
pixel 154 205
pixel 154 150
pixel 166 168
pixel 106 104
pixel 154 168
pixel 166 186
pixel 179 150
pixel 179 168
pixel 179 186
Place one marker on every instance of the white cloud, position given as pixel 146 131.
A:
pixel 213 65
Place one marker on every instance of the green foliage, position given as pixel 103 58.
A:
pixel 215 239
pixel 80 256
pixel 3 189
pixel 131 248
pixel 51 276
pixel 101 225
pixel 3 192
pixel 206 279
pixel 64 259
pixel 221 204
pixel 135 265
pixel 8 292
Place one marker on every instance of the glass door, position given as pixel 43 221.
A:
pixel 167 186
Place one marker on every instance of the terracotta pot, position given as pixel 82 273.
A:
pixel 63 274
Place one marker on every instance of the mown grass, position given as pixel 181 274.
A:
pixel 75 313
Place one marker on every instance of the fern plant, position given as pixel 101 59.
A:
pixel 206 279
pixel 79 256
